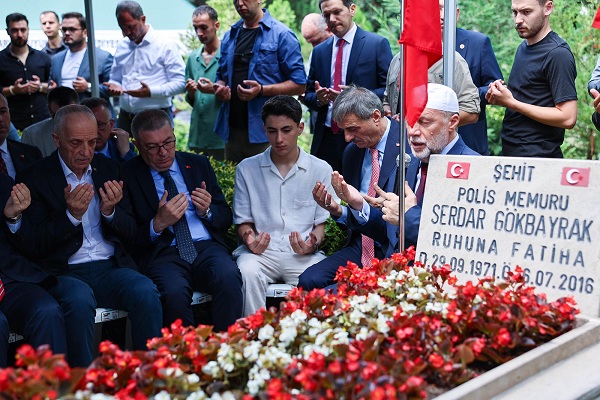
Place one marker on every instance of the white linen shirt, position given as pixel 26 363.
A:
pixel 156 62
pixel 278 205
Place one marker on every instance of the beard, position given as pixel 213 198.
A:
pixel 435 145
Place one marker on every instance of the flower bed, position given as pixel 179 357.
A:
pixel 392 331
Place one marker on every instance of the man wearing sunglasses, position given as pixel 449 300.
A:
pixel 182 217
pixel 71 68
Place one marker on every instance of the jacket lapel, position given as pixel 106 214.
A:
pixel 84 67
pixel 357 46
pixel 56 178
pixel 187 172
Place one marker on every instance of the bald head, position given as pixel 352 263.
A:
pixel 314 29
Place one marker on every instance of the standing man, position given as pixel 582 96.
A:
pixel 51 28
pixel 279 241
pixel 351 56
pixel 370 159
pixel 25 77
pixel 261 58
pixel 540 100
pixel 201 70
pixel 476 49
pixel 147 69
pixel 80 220
pixel 72 67
pixel 182 217
pixel 112 142
pixel 14 156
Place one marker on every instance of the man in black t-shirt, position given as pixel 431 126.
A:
pixel 540 100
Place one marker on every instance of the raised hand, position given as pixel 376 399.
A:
pixel 110 196
pixel 79 199
pixel 169 212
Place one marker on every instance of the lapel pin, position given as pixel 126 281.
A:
pixel 188 166
pixel 462 46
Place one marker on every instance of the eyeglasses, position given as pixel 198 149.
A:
pixel 102 125
pixel 154 149
pixel 66 29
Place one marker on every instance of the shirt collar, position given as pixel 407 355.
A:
pixel 450 145
pixel 381 145
pixel 4 147
pixel 266 161
pixel 67 171
pixel 173 170
pixel 348 37
pixel 148 38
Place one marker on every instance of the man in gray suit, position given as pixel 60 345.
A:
pixel 71 68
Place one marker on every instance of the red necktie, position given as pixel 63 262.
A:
pixel 3 169
pixel 421 188
pixel 368 245
pixel 1 290
pixel 337 77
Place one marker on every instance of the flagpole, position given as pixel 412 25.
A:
pixel 400 175
pixel 449 41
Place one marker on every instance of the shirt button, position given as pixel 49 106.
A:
pixel 283 213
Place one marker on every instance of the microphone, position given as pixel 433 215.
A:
pixel 407 160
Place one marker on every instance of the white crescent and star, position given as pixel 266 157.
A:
pixel 453 171
pixel 570 176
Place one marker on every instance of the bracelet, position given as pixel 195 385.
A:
pixel 41 87
pixel 12 220
pixel 261 90
pixel 10 89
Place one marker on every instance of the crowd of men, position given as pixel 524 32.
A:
pixel 92 222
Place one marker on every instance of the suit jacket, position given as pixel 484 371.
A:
pixel 13 265
pixel 104 62
pixel 48 235
pixel 22 155
pixel 40 136
pixel 114 153
pixel 352 166
pixel 367 67
pixel 142 190
pixel 412 217
pixel 477 50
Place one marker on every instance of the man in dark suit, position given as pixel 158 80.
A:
pixel 79 220
pixel 434 133
pixel 477 50
pixel 112 142
pixel 182 217
pixel 14 156
pixel 369 159
pixel 362 58
pixel 72 67
pixel 45 309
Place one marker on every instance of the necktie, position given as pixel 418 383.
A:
pixel 368 245
pixel 421 188
pixel 185 244
pixel 3 169
pixel 337 77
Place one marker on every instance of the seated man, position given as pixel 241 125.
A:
pixel 112 142
pixel 79 221
pixel 44 308
pixel 182 217
pixel 369 159
pixel 40 133
pixel 280 224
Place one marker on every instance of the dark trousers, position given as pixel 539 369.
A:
pixel 331 149
pixel 61 316
pixel 238 146
pixel 322 274
pixel 213 272
pixel 124 289
pixel 4 333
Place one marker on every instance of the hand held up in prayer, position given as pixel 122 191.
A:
pixel 345 192
pixel 251 91
pixel 143 91
pixel 78 199
pixel 201 199
pixel 222 93
pixel 122 140
pixel 325 200
pixel 205 85
pixel 80 85
pixel 170 211
pixel 114 89
pixel 498 94
pixel 110 196
pixel 301 246
pixel 256 244
pixel 191 87
pixel 33 86
pixel 19 200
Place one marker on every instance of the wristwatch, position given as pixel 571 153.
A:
pixel 13 220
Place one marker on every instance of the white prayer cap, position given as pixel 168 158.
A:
pixel 441 97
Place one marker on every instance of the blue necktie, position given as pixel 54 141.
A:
pixel 185 244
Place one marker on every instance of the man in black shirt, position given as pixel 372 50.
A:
pixel 24 75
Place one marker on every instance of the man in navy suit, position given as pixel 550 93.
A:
pixel 71 68
pixel 477 50
pixel 434 133
pixel 364 58
pixel 79 222
pixel 373 150
pixel 182 217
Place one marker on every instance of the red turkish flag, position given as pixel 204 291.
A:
pixel 422 39
pixel 596 23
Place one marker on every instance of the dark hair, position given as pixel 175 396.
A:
pixel 149 120
pixel 63 96
pixel 131 7
pixel 346 3
pixel 284 105
pixel 356 100
pixel 62 114
pixel 15 17
pixel 206 9
pixel 97 102
pixel 77 15
pixel 50 12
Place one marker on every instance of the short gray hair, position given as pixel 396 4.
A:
pixel 356 100
pixel 149 120
pixel 71 109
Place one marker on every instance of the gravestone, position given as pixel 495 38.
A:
pixel 486 215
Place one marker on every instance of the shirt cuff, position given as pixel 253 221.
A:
pixel 343 218
pixel 110 217
pixel 14 227
pixel 153 234
pixel 362 216
pixel 73 220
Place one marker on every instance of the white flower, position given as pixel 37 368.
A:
pixel 375 301
pixel 198 395
pixel 356 316
pixel 382 324
pixel 362 335
pixel 252 350
pixel 211 368
pixel 341 337
pixel 163 395
pixel 265 333
pixel 287 336
pixel 193 379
